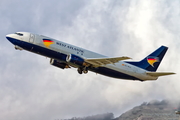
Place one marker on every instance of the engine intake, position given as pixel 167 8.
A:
pixel 59 64
pixel 75 59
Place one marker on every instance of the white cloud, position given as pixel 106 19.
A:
pixel 32 89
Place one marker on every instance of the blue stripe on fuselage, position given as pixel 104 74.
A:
pixel 60 56
pixel 112 73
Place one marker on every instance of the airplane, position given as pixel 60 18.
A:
pixel 64 55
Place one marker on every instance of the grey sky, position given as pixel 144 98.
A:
pixel 33 89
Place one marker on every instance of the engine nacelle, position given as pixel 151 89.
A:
pixel 59 64
pixel 75 59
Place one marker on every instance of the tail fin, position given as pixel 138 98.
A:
pixel 152 61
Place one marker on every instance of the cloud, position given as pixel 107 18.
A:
pixel 33 89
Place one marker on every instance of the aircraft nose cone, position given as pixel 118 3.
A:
pixel 8 36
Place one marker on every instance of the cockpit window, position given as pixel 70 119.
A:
pixel 20 34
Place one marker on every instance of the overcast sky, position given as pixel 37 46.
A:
pixel 32 89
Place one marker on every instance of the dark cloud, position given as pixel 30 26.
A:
pixel 33 89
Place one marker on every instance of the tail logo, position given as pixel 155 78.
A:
pixel 48 42
pixel 152 60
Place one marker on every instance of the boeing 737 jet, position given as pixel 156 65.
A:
pixel 64 55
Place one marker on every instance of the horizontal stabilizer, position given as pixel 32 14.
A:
pixel 157 74
pixel 104 61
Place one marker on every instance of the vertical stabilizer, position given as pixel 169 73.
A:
pixel 152 61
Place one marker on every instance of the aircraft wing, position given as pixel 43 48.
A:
pixel 157 74
pixel 96 62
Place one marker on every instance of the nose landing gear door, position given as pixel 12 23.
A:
pixel 31 38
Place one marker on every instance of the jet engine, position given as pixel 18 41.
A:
pixel 75 60
pixel 59 64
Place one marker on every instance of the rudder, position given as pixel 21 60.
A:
pixel 152 61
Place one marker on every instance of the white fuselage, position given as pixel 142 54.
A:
pixel 65 48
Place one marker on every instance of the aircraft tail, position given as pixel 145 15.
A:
pixel 152 61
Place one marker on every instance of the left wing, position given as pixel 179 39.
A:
pixel 96 62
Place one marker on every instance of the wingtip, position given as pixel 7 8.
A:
pixel 127 57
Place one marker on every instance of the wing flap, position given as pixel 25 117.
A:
pixel 104 61
pixel 157 74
